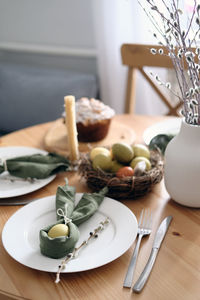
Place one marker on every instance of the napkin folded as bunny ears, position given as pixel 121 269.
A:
pixel 37 166
pixel 60 246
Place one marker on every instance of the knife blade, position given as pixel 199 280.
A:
pixel 16 203
pixel 159 237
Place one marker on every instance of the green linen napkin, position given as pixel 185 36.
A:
pixel 87 206
pixel 160 141
pixel 37 166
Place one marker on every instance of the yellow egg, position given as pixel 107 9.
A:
pixel 141 150
pixel 102 161
pixel 115 166
pixel 99 150
pixel 138 159
pixel 58 230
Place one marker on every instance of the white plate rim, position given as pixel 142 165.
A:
pixel 33 186
pixel 131 233
pixel 171 126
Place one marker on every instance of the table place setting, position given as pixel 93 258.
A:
pixel 82 241
pixel 112 249
pixel 24 169
pixel 144 228
pixel 74 232
pixel 42 248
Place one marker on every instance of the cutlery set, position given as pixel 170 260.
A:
pixel 144 228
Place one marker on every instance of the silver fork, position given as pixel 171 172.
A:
pixel 144 228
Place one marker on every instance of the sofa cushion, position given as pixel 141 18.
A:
pixel 30 95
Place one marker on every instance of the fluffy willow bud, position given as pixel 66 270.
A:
pixel 153 51
pixel 194 102
pixel 182 112
pixel 168 85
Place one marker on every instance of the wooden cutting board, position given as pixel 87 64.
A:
pixel 56 138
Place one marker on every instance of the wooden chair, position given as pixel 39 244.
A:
pixel 136 57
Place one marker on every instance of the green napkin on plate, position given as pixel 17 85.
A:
pixel 60 246
pixel 37 166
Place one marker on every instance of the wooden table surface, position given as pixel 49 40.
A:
pixel 176 274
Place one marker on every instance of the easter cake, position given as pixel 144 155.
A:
pixel 93 119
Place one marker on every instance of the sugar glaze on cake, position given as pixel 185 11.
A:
pixel 91 110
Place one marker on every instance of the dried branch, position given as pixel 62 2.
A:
pixel 74 253
pixel 178 45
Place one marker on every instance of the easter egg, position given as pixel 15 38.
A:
pixel 99 150
pixel 124 172
pixel 138 159
pixel 102 161
pixel 58 230
pixel 141 150
pixel 122 152
pixel 115 166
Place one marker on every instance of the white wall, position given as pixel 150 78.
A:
pixel 63 27
pixel 60 33
pixel 49 22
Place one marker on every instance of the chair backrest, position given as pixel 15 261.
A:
pixel 136 57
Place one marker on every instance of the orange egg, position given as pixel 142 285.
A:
pixel 124 172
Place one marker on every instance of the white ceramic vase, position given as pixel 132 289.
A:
pixel 182 166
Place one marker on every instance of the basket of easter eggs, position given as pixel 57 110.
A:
pixel 129 171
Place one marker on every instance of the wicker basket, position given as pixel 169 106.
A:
pixel 123 188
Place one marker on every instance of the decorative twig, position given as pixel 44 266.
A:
pixel 74 253
pixel 13 179
pixel 178 43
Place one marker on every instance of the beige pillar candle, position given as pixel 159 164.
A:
pixel 71 127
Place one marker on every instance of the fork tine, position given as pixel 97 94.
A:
pixel 141 216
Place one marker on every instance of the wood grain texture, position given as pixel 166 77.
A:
pixel 130 91
pixel 56 138
pixel 176 274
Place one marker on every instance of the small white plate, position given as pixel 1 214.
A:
pixel 171 126
pixel 20 235
pixel 19 186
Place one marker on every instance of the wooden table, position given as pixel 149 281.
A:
pixel 176 274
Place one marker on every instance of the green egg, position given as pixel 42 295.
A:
pixel 122 152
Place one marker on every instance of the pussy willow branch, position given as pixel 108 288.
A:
pixel 184 86
pixel 191 20
pixel 177 40
pixel 73 254
pixel 171 51
pixel 151 18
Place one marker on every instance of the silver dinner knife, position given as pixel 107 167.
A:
pixel 14 202
pixel 160 234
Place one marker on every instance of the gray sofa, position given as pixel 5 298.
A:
pixel 31 95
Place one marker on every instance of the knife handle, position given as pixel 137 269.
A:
pixel 146 272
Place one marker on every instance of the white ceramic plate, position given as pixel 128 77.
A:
pixel 20 235
pixel 171 126
pixel 19 186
